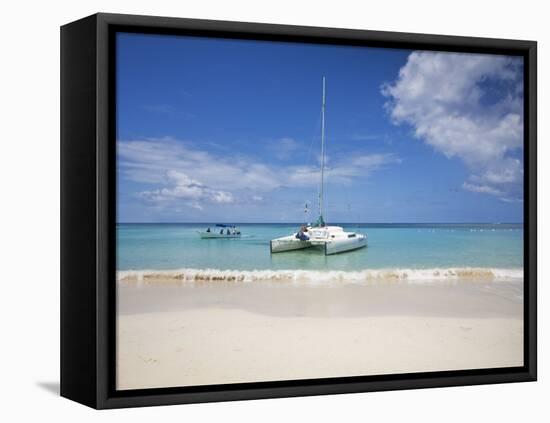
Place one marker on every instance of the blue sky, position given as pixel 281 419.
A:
pixel 215 130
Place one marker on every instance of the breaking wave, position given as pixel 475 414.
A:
pixel 314 276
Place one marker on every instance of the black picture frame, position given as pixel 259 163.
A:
pixel 88 196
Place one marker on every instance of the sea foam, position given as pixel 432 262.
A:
pixel 334 276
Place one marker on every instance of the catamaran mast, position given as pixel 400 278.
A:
pixel 321 190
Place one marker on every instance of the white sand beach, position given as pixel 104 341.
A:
pixel 183 334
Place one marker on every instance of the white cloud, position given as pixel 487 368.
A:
pixel 343 171
pixel 180 173
pixel 150 161
pixel 284 148
pixel 182 187
pixel 485 189
pixel 466 106
pixel 371 162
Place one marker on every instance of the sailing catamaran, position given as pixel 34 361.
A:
pixel 333 239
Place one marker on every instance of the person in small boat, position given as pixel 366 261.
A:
pixel 301 235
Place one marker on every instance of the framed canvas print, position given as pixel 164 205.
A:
pixel 255 211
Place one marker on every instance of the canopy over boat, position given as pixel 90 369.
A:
pixel 224 231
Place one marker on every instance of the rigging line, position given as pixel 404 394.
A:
pixel 321 199
pixel 322 203
pixel 313 138
pixel 309 156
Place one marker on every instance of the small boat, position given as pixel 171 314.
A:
pixel 221 231
pixel 331 239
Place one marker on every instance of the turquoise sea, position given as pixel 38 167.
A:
pixel 419 247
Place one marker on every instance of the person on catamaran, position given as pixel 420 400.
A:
pixel 301 235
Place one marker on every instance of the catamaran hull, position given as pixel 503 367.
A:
pixel 211 235
pixel 341 246
pixel 288 243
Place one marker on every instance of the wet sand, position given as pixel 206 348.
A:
pixel 182 334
